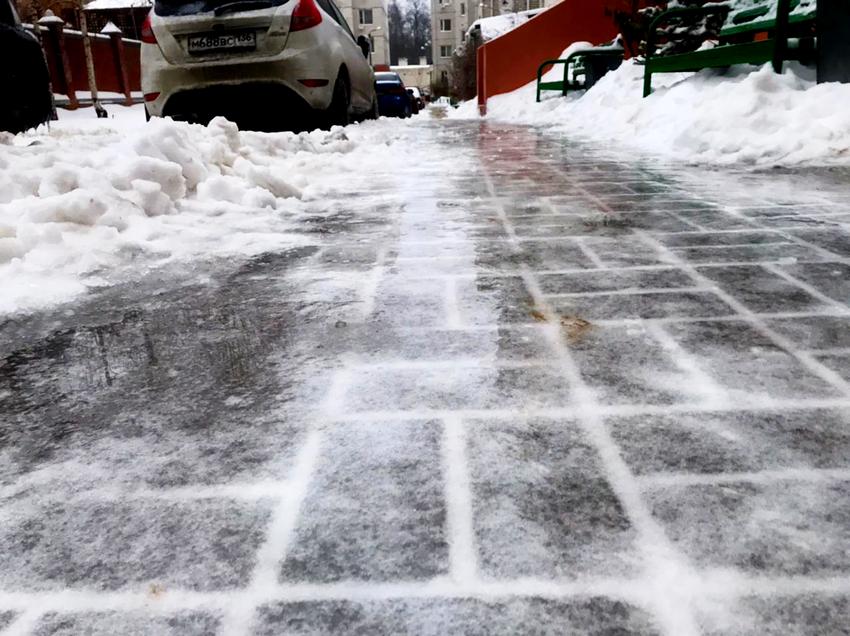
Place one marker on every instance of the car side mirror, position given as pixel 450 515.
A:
pixel 410 92
pixel 363 43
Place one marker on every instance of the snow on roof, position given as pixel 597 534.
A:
pixel 497 25
pixel 99 5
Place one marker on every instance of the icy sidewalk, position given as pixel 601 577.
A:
pixel 528 389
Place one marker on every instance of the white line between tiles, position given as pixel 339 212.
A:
pixel 701 384
pixel 463 553
pixel 453 317
pixel 670 579
pixel 634 291
pixel 369 290
pixel 768 476
pixel 592 256
pixel 279 534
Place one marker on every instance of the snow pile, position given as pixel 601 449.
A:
pixel 747 115
pixel 83 202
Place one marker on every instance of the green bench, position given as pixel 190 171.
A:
pixel 752 32
pixel 589 63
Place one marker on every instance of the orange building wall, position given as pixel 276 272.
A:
pixel 511 60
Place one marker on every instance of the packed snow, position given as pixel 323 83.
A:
pixel 747 115
pixel 90 199
pixel 497 25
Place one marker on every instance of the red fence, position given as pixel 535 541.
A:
pixel 511 60
pixel 116 63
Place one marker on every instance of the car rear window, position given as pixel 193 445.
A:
pixel 193 7
pixel 386 86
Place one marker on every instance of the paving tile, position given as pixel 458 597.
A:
pixel 375 509
pixel 734 441
pixel 762 291
pixel 840 363
pixel 832 239
pixel 542 506
pixel 679 304
pixel 617 280
pixel 488 300
pixel 814 332
pixel 626 365
pixel 126 624
pixel 456 387
pixel 783 528
pixel 471 617
pixel 625 252
pixel 774 252
pixel 200 545
pixel 746 363
pixel 831 279
pixel 797 615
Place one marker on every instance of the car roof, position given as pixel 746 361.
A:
pixel 386 76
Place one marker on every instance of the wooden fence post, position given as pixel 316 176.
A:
pixel 55 27
pixel 116 39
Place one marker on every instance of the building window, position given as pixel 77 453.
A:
pixel 463 8
pixel 365 16
pixel 445 24
pixel 445 50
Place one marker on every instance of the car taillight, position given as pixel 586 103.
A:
pixel 147 30
pixel 305 15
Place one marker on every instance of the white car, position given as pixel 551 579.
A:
pixel 265 64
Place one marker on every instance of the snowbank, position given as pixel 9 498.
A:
pixel 96 197
pixel 748 115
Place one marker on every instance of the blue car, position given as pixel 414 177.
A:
pixel 393 98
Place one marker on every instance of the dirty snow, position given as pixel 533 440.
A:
pixel 747 115
pixel 90 200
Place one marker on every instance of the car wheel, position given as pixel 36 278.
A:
pixel 337 114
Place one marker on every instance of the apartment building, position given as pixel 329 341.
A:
pixel 450 19
pixel 369 18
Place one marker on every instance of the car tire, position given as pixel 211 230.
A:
pixel 337 113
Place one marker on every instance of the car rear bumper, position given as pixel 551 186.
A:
pixel 280 75
pixel 392 104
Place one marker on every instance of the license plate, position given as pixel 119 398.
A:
pixel 208 42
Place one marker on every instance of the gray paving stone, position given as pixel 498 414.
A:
pixel 747 363
pixel 6 618
pixel 778 252
pixel 456 387
pixel 814 332
pixel 762 291
pixel 126 624
pixel 443 617
pixel 626 365
pixel 618 280
pixel 625 252
pixel 831 279
pixel 803 615
pixel 840 363
pixel 201 545
pixel 787 528
pixel 542 506
pixel 646 305
pixel 734 441
pixel 375 510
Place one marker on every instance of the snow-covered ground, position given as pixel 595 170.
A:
pixel 747 115
pixel 93 200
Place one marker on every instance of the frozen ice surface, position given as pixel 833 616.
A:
pixel 539 389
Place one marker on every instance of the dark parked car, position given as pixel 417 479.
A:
pixel 24 77
pixel 393 98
